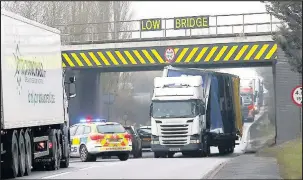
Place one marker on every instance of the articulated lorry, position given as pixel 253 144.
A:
pixel 193 110
pixel 34 98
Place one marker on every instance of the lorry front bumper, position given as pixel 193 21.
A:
pixel 182 148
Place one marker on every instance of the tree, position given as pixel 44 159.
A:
pixel 289 36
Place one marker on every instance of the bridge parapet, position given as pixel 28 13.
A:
pixel 227 25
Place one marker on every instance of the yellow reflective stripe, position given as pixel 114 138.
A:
pixel 176 50
pixel 251 52
pixel 137 54
pixel 130 57
pixel 77 59
pixel 230 53
pixel 121 57
pixel 271 52
pixel 211 53
pixel 157 56
pixel 221 52
pixel 262 50
pixel 63 64
pixel 71 64
pixel 150 59
pixel 112 58
pixel 239 55
pixel 200 55
pixel 86 59
pixel 94 58
pixel 103 58
pixel 191 54
pixel 181 55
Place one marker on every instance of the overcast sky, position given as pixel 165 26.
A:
pixel 170 9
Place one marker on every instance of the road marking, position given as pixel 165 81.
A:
pixel 52 176
pixel 89 167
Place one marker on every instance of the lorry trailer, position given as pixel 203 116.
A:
pixel 34 98
pixel 193 110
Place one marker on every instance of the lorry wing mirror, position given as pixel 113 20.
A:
pixel 72 79
pixel 71 90
pixel 150 110
pixel 202 109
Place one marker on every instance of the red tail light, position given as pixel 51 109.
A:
pixel 96 137
pixel 50 145
pixel 250 107
pixel 127 136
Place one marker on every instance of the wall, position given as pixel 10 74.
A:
pixel 288 115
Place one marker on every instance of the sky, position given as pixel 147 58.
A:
pixel 170 9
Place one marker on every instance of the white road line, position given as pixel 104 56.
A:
pixel 52 176
pixel 89 168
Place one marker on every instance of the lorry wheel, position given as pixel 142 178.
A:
pixel 65 149
pixel 59 145
pixel 206 147
pixel 123 157
pixel 21 145
pixel 170 155
pixel 54 164
pixel 156 155
pixel 137 154
pixel 222 150
pixel 28 153
pixel 12 165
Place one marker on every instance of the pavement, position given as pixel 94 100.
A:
pixel 248 166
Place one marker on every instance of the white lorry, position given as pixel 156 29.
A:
pixel 193 110
pixel 34 98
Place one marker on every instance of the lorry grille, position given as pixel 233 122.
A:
pixel 176 134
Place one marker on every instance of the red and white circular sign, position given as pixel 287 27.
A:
pixel 296 95
pixel 169 54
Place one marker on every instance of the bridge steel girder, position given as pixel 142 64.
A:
pixel 218 52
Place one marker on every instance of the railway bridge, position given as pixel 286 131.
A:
pixel 227 45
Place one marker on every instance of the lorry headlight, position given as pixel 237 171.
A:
pixel 194 141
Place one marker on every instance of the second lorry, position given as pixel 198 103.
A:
pixel 193 110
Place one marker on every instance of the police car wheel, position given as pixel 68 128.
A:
pixel 84 154
pixel 123 157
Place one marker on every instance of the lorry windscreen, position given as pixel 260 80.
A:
pixel 174 109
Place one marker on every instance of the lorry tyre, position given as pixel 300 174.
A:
pixel 170 155
pixel 59 145
pixel 12 165
pixel 28 153
pixel 222 150
pixel 65 149
pixel 157 155
pixel 206 147
pixel 54 164
pixel 123 157
pixel 137 154
pixel 21 145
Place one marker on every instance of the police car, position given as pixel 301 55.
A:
pixel 95 137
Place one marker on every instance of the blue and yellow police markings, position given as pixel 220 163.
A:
pixel 190 54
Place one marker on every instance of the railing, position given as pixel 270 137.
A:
pixel 229 24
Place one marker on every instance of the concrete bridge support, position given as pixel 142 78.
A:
pixel 89 95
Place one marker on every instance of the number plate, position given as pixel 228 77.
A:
pixel 174 149
pixel 146 139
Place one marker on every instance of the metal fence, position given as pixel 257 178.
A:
pixel 229 24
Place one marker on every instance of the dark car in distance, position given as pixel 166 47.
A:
pixel 145 135
pixel 136 142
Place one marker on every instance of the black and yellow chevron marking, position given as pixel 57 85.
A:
pixel 192 54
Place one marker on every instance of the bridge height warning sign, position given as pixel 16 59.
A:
pixel 296 95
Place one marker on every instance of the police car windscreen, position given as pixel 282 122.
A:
pixel 110 128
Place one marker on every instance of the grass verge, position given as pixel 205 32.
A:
pixel 289 157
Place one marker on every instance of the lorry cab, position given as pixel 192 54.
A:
pixel 177 114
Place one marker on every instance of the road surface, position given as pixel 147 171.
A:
pixel 144 168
